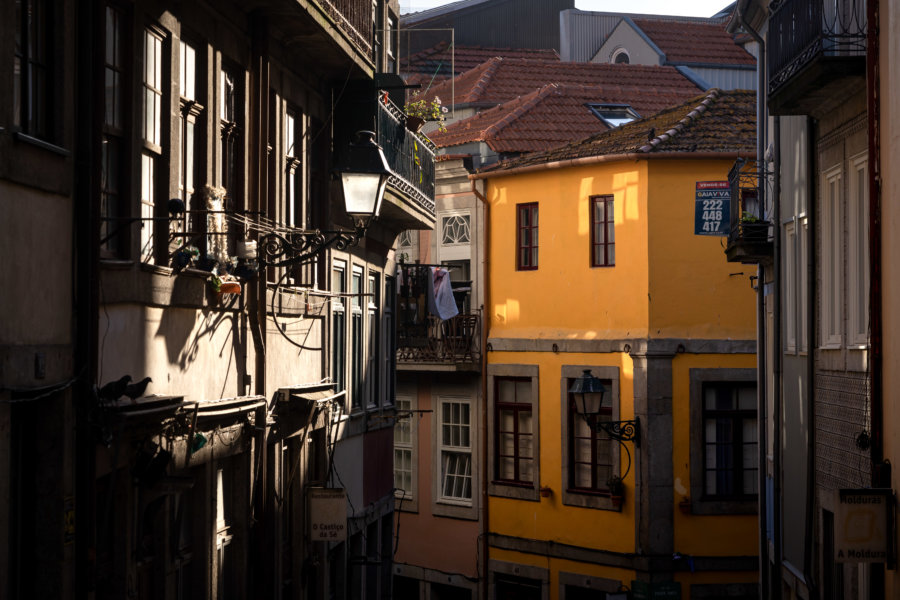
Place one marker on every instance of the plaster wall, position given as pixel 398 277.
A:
pixel 573 301
pixel 694 291
pixel 696 534
pixel 429 540
pixel 625 36
pixel 36 302
pixel 188 352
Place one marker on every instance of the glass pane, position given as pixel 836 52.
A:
pixel 747 397
pixel 526 471
pixel 611 254
pixel 599 211
pixel 507 444
pixel 507 420
pixel 582 475
pixel 506 390
pixel 506 468
pixel 524 421
pixel 610 231
pixel 523 391
pixel 534 218
pixel 526 449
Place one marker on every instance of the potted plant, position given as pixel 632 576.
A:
pixel 752 228
pixel 422 110
pixel 616 488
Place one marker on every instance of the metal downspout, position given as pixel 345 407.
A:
pixel 485 588
pixel 86 248
pixel 767 586
pixel 881 476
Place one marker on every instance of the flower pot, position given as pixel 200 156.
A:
pixel 230 287
pixel 414 123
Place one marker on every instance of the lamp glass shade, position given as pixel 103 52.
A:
pixel 588 391
pixel 365 176
pixel 363 193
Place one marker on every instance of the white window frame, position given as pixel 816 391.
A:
pixel 444 447
pixel 803 279
pixel 858 253
pixel 152 101
pixel 790 286
pixel 406 401
pixel 832 241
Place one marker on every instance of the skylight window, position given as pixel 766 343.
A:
pixel 614 114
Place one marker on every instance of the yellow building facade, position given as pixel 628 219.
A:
pixel 593 264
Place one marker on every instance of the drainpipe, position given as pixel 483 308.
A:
pixel 86 249
pixel 485 588
pixel 766 581
pixel 880 474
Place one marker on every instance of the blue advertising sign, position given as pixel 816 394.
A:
pixel 712 208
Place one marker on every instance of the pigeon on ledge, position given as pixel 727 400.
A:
pixel 114 390
pixel 136 390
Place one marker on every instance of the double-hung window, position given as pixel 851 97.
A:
pixel 152 136
pixel 527 236
pixel 858 252
pixel 590 452
pixel 730 440
pixel 338 324
pixel 356 339
pixel 603 232
pixel 372 375
pixel 403 448
pixel 456 450
pixel 514 436
pixel 112 167
pixel 832 259
pixel 32 67
pixel 190 111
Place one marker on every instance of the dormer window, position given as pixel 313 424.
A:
pixel 614 115
pixel 620 57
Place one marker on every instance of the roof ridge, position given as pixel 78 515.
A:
pixel 692 116
pixel 528 102
pixel 492 64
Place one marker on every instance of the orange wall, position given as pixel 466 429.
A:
pixel 694 291
pixel 564 297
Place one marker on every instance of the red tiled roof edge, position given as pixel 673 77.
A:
pixel 536 97
pixel 683 123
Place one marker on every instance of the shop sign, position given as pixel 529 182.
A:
pixel 863 525
pixel 327 514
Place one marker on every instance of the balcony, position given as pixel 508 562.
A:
pixel 354 19
pixel 748 235
pixel 411 159
pixel 424 341
pixel 817 51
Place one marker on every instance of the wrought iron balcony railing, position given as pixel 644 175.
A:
pixel 455 340
pixel 423 337
pixel 354 19
pixel 748 235
pixel 801 31
pixel 410 155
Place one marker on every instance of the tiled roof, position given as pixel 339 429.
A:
pixel 717 121
pixel 503 79
pixel 695 43
pixel 553 115
pixel 433 65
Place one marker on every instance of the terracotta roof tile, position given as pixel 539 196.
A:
pixel 717 121
pixel 695 43
pixel 433 65
pixel 500 80
pixel 552 115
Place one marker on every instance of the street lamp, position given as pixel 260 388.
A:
pixel 590 391
pixel 363 180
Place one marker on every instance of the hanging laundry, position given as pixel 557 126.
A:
pixel 440 294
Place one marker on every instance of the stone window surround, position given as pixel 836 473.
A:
pixel 502 489
pixel 575 498
pixel 410 503
pixel 699 505
pixel 518 570
pixel 444 507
